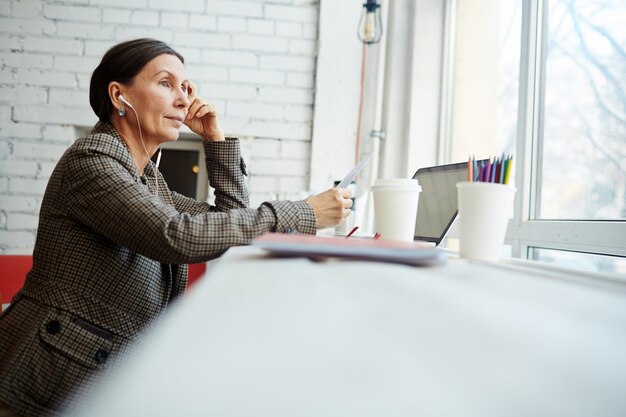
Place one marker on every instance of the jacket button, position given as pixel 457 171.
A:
pixel 102 356
pixel 53 327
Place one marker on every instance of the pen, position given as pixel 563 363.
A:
pixel 496 177
pixel 486 171
pixel 475 169
pixel 507 171
pixel 354 229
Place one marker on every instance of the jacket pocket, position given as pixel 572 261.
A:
pixel 60 361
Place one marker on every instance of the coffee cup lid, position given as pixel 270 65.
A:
pixel 397 183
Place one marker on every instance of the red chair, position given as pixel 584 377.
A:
pixel 13 269
pixel 195 272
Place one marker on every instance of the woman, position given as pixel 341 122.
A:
pixel 113 241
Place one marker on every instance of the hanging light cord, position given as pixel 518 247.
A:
pixel 362 87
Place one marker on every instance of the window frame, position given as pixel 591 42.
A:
pixel 526 231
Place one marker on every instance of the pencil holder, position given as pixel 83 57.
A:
pixel 484 211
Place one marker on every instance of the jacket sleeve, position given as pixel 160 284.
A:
pixel 104 196
pixel 226 170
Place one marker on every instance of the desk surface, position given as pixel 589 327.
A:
pixel 291 337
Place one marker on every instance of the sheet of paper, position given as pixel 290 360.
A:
pixel 354 172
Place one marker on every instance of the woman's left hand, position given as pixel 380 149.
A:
pixel 202 117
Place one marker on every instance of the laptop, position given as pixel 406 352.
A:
pixel 438 207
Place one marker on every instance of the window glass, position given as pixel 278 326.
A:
pixel 582 149
pixel 485 78
pixel 581 261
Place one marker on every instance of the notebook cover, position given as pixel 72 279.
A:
pixel 410 253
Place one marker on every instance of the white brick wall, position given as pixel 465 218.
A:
pixel 255 59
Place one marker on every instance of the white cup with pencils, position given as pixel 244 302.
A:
pixel 485 206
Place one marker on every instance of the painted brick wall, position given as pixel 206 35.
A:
pixel 254 59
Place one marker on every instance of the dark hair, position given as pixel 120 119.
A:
pixel 122 63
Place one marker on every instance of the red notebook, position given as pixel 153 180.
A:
pixel 410 253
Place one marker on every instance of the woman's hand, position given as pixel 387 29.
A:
pixel 202 117
pixel 331 206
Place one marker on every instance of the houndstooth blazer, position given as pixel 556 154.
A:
pixel 110 256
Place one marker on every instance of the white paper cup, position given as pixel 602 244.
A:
pixel 484 213
pixel 395 208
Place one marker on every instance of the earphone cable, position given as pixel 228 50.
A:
pixel 154 168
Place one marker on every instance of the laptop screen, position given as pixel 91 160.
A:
pixel 437 207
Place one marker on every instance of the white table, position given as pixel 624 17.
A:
pixel 291 337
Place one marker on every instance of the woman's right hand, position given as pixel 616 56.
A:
pixel 202 117
pixel 331 206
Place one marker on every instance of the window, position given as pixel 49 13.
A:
pixel 544 80
pixel 582 137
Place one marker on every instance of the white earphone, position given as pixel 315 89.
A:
pixel 121 97
pixel 123 100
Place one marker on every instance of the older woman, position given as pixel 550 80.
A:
pixel 113 241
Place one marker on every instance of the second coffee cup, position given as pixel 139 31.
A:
pixel 395 208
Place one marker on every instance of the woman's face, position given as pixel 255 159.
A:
pixel 159 95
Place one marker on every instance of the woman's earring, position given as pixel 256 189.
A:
pixel 121 112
